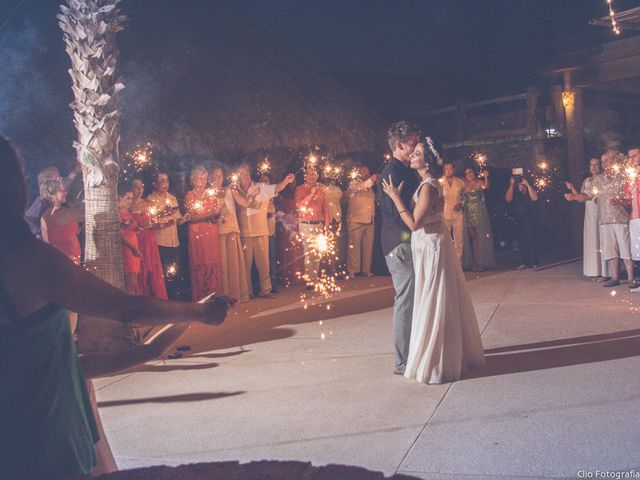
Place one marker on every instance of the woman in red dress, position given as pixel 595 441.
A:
pixel 151 277
pixel 131 255
pixel 205 260
pixel 61 224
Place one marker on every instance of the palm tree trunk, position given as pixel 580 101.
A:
pixel 89 28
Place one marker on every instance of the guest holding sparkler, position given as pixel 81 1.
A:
pixel 593 265
pixel 167 211
pixel 290 251
pixel 478 243
pixel 453 187
pixel 608 193
pixel 523 197
pixel 131 256
pixel 234 275
pixel 313 217
pixel 334 196
pixel 48 427
pixel 361 200
pixel 205 262
pixel 632 193
pixel 271 222
pixel 151 278
pixel 254 228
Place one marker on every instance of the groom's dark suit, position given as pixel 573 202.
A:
pixel 396 246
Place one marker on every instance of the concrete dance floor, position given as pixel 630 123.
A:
pixel 560 393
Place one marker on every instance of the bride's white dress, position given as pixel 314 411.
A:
pixel 445 339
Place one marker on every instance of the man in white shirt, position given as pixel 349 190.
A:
pixel 167 217
pixel 453 217
pixel 361 200
pixel 254 227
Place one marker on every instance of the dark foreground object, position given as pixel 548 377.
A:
pixel 263 470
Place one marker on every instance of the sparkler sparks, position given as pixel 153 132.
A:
pixel 172 270
pixel 480 159
pixel 264 167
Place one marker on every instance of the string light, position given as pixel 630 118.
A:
pixel 612 15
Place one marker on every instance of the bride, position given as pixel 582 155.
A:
pixel 445 339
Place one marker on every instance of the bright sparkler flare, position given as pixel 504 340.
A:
pixel 312 160
pixel 387 156
pixel 264 167
pixel 631 172
pixel 321 243
pixel 198 205
pixel 616 168
pixel 234 178
pixel 211 191
pixel 172 270
pixel 541 183
pixel 480 159
pixel 153 211
pixel 354 173
pixel 543 165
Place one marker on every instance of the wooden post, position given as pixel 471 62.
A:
pixel 572 106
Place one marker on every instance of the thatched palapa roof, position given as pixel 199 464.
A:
pixel 204 76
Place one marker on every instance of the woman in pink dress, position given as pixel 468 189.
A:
pixel 205 260
pixel 151 277
pixel 131 255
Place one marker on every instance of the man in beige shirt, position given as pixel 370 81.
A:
pixel 254 226
pixel 166 216
pixel 453 217
pixel 360 223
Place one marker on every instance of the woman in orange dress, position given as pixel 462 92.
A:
pixel 205 261
pixel 151 277
pixel 131 255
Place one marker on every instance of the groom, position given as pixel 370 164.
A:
pixel 395 237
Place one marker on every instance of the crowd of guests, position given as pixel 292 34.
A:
pixel 612 216
pixel 246 235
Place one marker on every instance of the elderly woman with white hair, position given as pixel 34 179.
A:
pixel 205 261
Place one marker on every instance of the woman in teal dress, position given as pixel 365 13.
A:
pixel 48 428
pixel 477 254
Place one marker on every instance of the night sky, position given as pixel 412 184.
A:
pixel 494 44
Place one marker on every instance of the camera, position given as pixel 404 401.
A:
pixel 517 174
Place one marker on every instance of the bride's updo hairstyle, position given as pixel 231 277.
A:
pixel 432 156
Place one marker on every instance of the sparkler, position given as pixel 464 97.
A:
pixel 264 167
pixel 322 245
pixel 354 173
pixel 139 160
pixel 172 270
pixel 480 159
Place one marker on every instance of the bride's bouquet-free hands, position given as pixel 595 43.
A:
pixel 390 189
